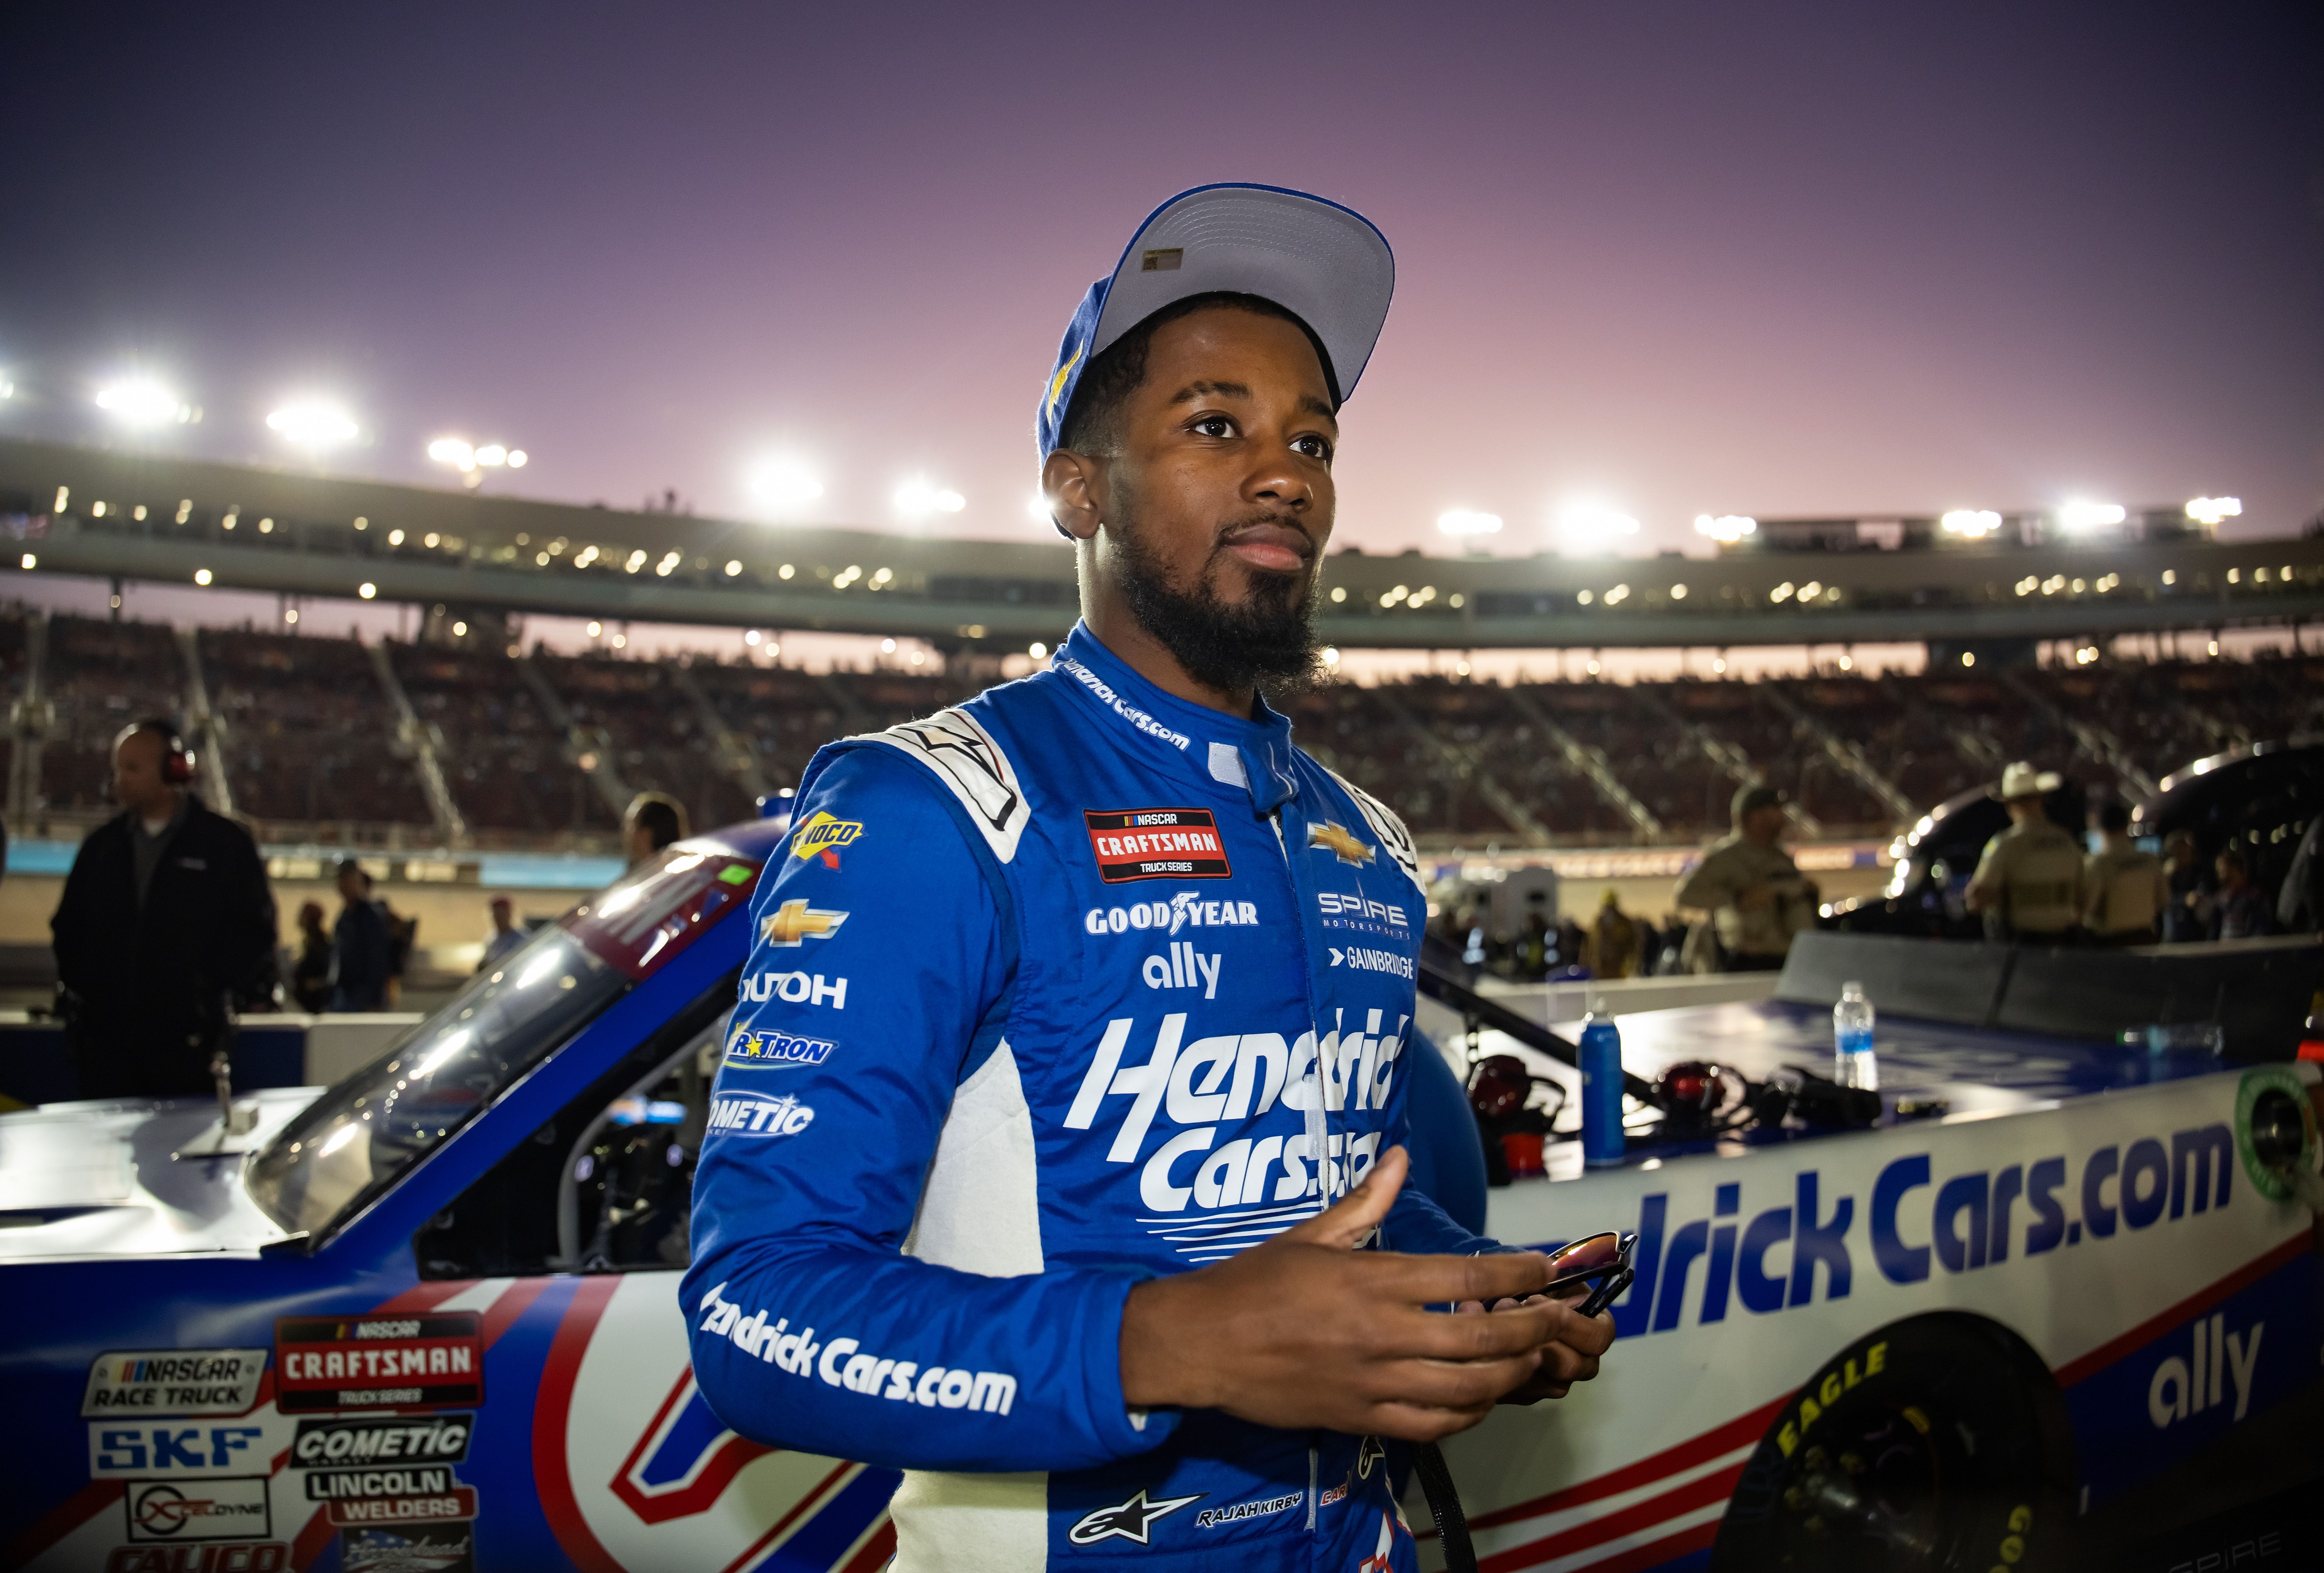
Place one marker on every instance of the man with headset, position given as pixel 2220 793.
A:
pixel 167 922
pixel 1073 1069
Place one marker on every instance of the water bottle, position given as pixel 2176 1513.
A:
pixel 1851 1040
pixel 1601 1086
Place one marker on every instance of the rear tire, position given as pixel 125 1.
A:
pixel 1940 1442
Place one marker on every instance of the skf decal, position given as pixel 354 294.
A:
pixel 1129 1521
pixel 821 835
pixel 1336 840
pixel 1156 843
pixel 794 921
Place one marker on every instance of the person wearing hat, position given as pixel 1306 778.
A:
pixel 2029 882
pixel 1757 897
pixel 1053 1191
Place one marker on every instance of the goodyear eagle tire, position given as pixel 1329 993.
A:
pixel 1938 1442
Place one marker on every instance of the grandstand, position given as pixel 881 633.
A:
pixel 321 741
pixel 464 739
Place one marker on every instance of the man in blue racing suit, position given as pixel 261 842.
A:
pixel 1067 1074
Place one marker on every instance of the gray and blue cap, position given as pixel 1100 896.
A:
pixel 1327 265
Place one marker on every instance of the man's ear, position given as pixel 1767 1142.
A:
pixel 1072 484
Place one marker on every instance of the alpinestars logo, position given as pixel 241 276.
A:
pixel 1130 1520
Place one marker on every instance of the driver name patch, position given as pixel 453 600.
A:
pixel 1155 843
pixel 378 1361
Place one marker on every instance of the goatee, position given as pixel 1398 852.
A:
pixel 1270 639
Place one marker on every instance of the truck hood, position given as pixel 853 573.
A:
pixel 131 1177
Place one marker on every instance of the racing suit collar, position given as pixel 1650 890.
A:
pixel 1223 753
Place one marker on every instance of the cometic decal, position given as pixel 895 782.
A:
pixel 1156 843
pixel 393 1362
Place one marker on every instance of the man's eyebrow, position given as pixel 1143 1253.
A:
pixel 1311 405
pixel 1194 391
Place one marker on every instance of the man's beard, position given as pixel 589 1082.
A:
pixel 1271 639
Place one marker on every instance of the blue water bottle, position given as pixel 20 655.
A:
pixel 1601 1087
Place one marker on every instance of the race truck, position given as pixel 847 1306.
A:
pixel 427 1318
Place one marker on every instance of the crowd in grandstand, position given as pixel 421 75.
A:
pixel 547 748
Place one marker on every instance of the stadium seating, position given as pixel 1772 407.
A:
pixel 310 739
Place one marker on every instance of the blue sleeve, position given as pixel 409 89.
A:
pixel 1416 1223
pixel 880 968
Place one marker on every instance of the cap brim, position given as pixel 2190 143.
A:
pixel 1324 263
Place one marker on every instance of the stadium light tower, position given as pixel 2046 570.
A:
pixel 2211 509
pixel 472 462
pixel 2079 518
pixel 1970 523
pixel 141 401
pixel 918 498
pixel 1727 528
pixel 313 423
pixel 783 484
pixel 1594 527
pixel 1462 521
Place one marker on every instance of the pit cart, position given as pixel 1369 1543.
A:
pixel 427 1318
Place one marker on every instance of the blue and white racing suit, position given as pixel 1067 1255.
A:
pixel 1070 987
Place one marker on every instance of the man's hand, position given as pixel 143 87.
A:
pixel 1306 1330
pixel 1572 1354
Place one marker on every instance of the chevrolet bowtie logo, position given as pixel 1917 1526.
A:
pixel 1339 843
pixel 795 920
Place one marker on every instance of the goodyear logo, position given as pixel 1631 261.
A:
pixel 821 834
pixel 747 1047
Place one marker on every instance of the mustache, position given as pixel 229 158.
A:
pixel 1224 536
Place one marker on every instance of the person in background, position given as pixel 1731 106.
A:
pixel 2240 910
pixel 505 936
pixel 310 974
pixel 363 954
pixel 2188 916
pixel 166 924
pixel 2029 882
pixel 2300 903
pixel 1757 897
pixel 1613 939
pixel 653 821
pixel 2125 891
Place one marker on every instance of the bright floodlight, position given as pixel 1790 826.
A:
pixel 781 483
pixel 1040 509
pixel 916 499
pixel 1590 526
pixel 1973 523
pixel 1727 528
pixel 143 402
pixel 2081 516
pixel 313 423
pixel 1462 521
pixel 467 458
pixel 2211 509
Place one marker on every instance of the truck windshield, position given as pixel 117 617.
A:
pixel 352 1141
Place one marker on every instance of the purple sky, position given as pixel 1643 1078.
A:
pixel 1838 257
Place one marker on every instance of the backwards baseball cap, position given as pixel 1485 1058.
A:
pixel 1325 264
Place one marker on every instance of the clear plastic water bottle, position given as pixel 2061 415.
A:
pixel 1853 1064
pixel 1602 1142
